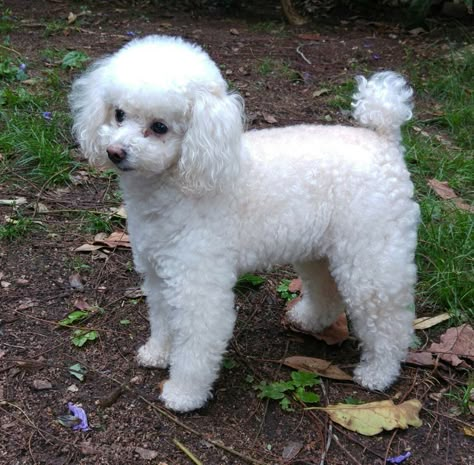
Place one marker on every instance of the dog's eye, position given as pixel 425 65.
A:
pixel 119 115
pixel 159 128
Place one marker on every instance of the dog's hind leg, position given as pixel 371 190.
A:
pixel 321 303
pixel 155 353
pixel 378 290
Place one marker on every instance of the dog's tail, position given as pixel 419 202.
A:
pixel 383 103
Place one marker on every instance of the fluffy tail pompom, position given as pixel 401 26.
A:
pixel 383 103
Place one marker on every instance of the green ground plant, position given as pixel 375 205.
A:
pixel 296 388
pixel 441 147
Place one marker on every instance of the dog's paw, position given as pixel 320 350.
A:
pixel 151 356
pixel 303 317
pixel 182 399
pixel 376 377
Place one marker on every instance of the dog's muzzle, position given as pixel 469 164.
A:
pixel 116 153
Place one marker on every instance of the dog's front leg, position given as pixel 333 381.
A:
pixel 202 322
pixel 155 352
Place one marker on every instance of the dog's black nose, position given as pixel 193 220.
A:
pixel 116 153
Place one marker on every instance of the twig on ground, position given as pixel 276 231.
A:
pixel 10 49
pixel 300 53
pixel 187 452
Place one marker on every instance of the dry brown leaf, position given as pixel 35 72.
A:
pixel 270 119
pixel 428 322
pixel 116 239
pixel 446 193
pixel 424 359
pixel 81 304
pixel 456 343
pixel 318 366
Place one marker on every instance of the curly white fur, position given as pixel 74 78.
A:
pixel 207 202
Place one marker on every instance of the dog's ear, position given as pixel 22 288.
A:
pixel 210 156
pixel 89 110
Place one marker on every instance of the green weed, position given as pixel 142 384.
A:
pixel 444 150
pixel 95 222
pixel 6 20
pixel 74 60
pixel 284 290
pixel 16 227
pixel 296 387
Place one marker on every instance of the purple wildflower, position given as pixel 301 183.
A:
pixel 80 414
pixel 400 458
pixel 375 56
pixel 47 115
pixel 22 67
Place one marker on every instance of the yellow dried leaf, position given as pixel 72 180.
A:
pixel 469 431
pixel 374 417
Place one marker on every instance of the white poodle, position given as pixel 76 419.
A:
pixel 207 201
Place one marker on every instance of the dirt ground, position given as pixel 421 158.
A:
pixel 120 398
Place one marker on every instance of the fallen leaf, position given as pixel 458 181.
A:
pixel 319 92
pixel 88 248
pixel 75 281
pixel 41 384
pixel 446 193
pixel 374 417
pixel 116 239
pixel 469 431
pixel 424 359
pixel 317 365
pixel 428 322
pixel 146 454
pixel 417 31
pixel 101 241
pixel 291 450
pixel 81 304
pixel 270 119
pixel 71 18
pixel 234 32
pixel 120 211
pixel 456 343
pixel 295 285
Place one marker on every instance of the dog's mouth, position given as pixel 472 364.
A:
pixel 124 166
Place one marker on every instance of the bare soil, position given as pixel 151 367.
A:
pixel 121 398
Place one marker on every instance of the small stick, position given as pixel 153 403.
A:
pixel 300 53
pixel 187 452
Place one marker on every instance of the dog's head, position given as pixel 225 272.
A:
pixel 160 104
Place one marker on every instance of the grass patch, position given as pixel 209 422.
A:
pixel 444 150
pixel 34 134
pixel 16 227
pixel 269 66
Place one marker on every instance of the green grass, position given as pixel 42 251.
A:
pixel 269 66
pixel 34 134
pixel 444 150
pixel 16 227
pixel 95 222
